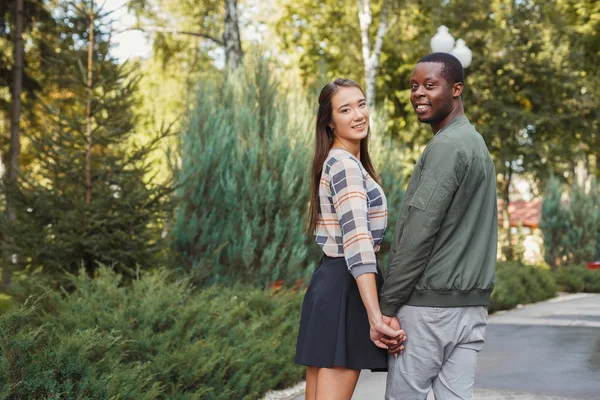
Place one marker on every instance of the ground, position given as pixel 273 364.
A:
pixel 543 351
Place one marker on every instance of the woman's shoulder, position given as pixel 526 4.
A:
pixel 341 160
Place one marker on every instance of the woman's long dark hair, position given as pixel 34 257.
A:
pixel 324 141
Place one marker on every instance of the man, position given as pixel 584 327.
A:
pixel 443 255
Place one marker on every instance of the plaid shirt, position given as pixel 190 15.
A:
pixel 353 213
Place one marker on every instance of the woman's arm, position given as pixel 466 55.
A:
pixel 382 334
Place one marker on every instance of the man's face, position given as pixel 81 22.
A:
pixel 432 96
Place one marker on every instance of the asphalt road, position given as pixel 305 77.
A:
pixel 544 351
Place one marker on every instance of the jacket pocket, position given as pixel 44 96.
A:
pixel 424 193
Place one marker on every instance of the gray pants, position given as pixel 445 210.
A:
pixel 440 352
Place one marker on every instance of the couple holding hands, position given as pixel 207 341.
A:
pixel 425 322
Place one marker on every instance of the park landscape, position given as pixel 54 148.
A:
pixel 155 172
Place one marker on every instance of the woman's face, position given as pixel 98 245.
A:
pixel 349 115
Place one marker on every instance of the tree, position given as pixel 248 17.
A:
pixel 15 140
pixel 243 198
pixel 231 35
pixel 554 223
pixel 218 21
pixel 371 58
pixel 581 237
pixel 322 39
pixel 595 194
pixel 579 20
pixel 20 22
pixel 87 198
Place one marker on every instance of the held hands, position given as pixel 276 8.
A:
pixel 387 334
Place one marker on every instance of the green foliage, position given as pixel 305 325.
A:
pixel 390 163
pixel 6 303
pixel 581 236
pixel 531 80
pixel 154 339
pixel 520 284
pixel 38 26
pixel 58 229
pixel 571 233
pixel 574 279
pixel 37 364
pixel 244 181
pixel 595 194
pixel 554 223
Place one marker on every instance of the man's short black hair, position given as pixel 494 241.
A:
pixel 452 71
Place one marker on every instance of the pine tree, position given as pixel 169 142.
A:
pixel 554 223
pixel 87 197
pixel 581 237
pixel 244 181
pixel 595 193
pixel 21 22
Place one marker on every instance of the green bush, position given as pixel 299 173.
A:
pixel 554 222
pixel 154 339
pixel 578 279
pixel 581 235
pixel 520 284
pixel 244 182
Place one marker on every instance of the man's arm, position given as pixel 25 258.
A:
pixel 439 180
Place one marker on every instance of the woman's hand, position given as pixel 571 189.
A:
pixel 395 345
pixel 387 334
pixel 385 331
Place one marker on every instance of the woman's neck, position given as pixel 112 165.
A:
pixel 350 146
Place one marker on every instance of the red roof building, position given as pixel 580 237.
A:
pixel 526 212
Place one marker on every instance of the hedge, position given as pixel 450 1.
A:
pixel 154 339
pixel 159 338
pixel 520 284
pixel 576 279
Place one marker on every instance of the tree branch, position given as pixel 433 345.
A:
pixel 161 29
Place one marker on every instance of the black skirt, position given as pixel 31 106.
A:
pixel 334 327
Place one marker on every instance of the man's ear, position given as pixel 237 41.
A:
pixel 457 89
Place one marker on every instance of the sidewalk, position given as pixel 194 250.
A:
pixel 533 352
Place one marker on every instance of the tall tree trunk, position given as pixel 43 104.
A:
pixel 597 143
pixel 88 261
pixel 371 58
pixel 15 142
pixel 507 246
pixel 88 155
pixel 231 36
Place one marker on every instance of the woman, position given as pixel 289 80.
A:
pixel 341 326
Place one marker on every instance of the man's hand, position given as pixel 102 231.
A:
pixel 384 333
pixel 395 345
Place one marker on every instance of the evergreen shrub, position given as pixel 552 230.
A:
pixel 574 279
pixel 581 236
pixel 154 339
pixel 244 180
pixel 520 284
pixel 62 222
pixel 554 222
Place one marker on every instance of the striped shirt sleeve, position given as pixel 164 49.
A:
pixel 349 195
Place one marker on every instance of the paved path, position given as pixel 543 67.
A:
pixel 543 351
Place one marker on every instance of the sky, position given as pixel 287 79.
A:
pixel 131 44
pixel 128 44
